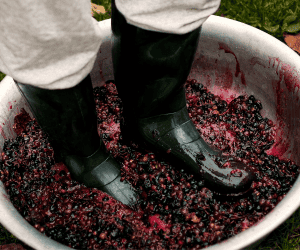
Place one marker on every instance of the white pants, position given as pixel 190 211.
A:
pixel 53 44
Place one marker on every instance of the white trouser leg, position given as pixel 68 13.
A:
pixel 167 16
pixel 50 44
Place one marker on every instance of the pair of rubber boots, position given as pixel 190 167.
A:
pixel 150 69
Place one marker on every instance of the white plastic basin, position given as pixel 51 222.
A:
pixel 255 63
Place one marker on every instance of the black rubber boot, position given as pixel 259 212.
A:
pixel 150 69
pixel 69 118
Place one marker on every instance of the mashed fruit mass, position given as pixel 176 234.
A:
pixel 174 211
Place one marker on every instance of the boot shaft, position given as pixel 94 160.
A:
pixel 68 116
pixel 150 68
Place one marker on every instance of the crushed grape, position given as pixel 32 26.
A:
pixel 175 211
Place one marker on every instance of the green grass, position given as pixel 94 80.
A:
pixel 7 238
pixel 286 236
pixel 274 17
pixel 2 75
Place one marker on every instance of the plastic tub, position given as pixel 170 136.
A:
pixel 232 59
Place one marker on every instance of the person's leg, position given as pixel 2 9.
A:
pixel 150 69
pixel 49 48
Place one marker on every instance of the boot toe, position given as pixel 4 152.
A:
pixel 233 180
pixel 241 176
pixel 121 191
pixel 106 177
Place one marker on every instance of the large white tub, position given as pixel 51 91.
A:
pixel 232 59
